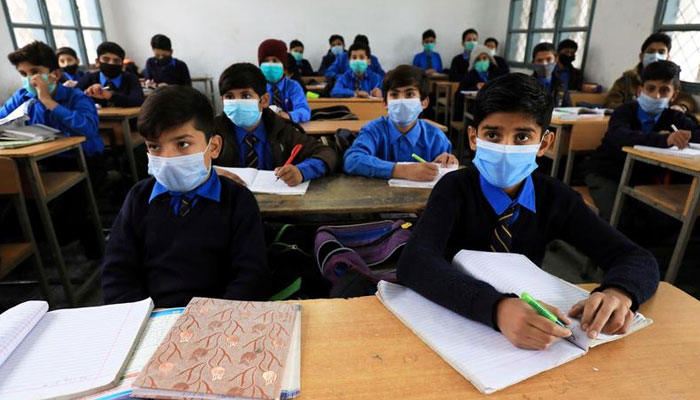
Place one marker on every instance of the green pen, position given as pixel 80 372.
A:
pixel 417 158
pixel 525 296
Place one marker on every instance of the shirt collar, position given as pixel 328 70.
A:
pixel 210 189
pixel 645 118
pixel 547 80
pixel 117 81
pixel 500 201
pixel 280 84
pixel 412 135
pixel 260 133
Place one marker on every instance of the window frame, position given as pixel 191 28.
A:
pixel 659 26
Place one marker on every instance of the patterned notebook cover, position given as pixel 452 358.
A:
pixel 225 348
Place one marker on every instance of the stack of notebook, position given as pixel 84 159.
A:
pixel 14 132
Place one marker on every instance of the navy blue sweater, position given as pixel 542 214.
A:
pixel 458 216
pixel 128 94
pixel 216 250
pixel 174 73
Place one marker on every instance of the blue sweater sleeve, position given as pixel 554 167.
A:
pixel 13 102
pixel 312 168
pixel 342 87
pixel 81 119
pixel 338 66
pixel 300 106
pixel 361 159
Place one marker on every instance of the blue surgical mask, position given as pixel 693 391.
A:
pixel 244 113
pixel 429 46
pixel 297 56
pixel 504 166
pixel 652 57
pixel 337 50
pixel 31 89
pixel 179 174
pixel 468 46
pixel 404 111
pixel 358 66
pixel 481 66
pixel 651 105
pixel 273 71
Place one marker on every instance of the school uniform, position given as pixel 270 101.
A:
pixel 126 89
pixel 571 77
pixel 502 65
pixel 380 145
pixel 65 76
pixel 274 140
pixel 174 72
pixel 348 83
pixel 469 82
pixel 464 211
pixel 459 67
pixel 342 64
pixel 557 88
pixel 428 60
pixel 288 95
pixel 326 62
pixel 304 67
pixel 173 246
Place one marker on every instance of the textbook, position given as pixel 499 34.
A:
pixel 18 117
pixel 580 112
pixel 425 185
pixel 66 353
pixel 692 151
pixel 260 181
pixel 226 349
pixel 483 356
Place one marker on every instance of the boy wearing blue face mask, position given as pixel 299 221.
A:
pixel 646 121
pixel 428 59
pixel 358 81
pixel 544 65
pixel 342 62
pixel 337 47
pixel 500 205
pixel 460 62
pixel 287 98
pixel 384 143
pixel 185 232
pixel 255 137
pixel 296 49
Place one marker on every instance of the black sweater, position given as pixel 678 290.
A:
pixel 458 216
pixel 216 250
pixel 174 73
pixel 128 94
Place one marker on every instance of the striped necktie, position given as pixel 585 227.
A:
pixel 251 156
pixel 430 60
pixel 357 84
pixel 502 238
pixel 277 98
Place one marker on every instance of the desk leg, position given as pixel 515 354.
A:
pixel 560 140
pixel 129 149
pixel 569 166
pixel 620 198
pixel 90 197
pixel 689 216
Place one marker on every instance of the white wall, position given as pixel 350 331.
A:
pixel 9 78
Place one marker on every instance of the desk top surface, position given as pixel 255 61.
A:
pixel 118 111
pixel 692 164
pixel 41 149
pixel 330 127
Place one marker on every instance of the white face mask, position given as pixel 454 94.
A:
pixel 179 174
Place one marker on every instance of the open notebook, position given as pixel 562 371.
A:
pixel 482 355
pixel 260 181
pixel 426 185
pixel 692 151
pixel 65 353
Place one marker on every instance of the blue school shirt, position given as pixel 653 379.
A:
pixel 420 60
pixel 116 81
pixel 210 189
pixel 293 99
pixel 342 64
pixel 500 201
pixel 75 115
pixel 78 75
pixel 311 168
pixel 380 145
pixel 547 82
pixel 345 85
pixel 647 120
pixel 483 75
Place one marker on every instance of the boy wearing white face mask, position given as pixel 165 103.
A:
pixel 500 205
pixel 185 232
pixel 386 141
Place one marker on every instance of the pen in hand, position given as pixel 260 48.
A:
pixel 295 151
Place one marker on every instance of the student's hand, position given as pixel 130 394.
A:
pixel 361 93
pixel 290 174
pixel 421 172
pixel 284 115
pixel 679 107
pixel 430 71
pixel 161 84
pixel 446 159
pixel 43 94
pixel 376 92
pixel 523 327
pixel 607 311
pixel 679 138
pixel 150 83
pixel 479 85
pixel 96 92
pixel 70 84
pixel 230 175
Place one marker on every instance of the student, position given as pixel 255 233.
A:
pixel 482 68
pixel 337 47
pixel 460 62
pixel 70 65
pixel 287 98
pixel 543 57
pixel 492 44
pixel 428 59
pixel 296 48
pixel 645 121
pixel 255 137
pixel 164 69
pixel 656 47
pixel 500 205
pixel 185 232
pixel 358 81
pixel 570 76
pixel 386 141
pixel 110 86
pixel 342 63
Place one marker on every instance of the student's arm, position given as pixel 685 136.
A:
pixel 186 80
pixel 133 97
pixel 340 89
pixel 685 123
pixel 438 66
pixel 620 132
pixel 325 63
pixel 377 66
pixel 85 81
pixel 454 74
pixel 147 71
pixel 336 68
pixel 13 102
pixel 300 106
pixel 311 168
pixel 81 119
pixel 616 94
pixel 360 158
pixel 687 101
pixel 314 160
pixel 416 61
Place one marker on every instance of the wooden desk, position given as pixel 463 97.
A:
pixel 317 87
pixel 363 108
pixel 444 93
pixel 117 119
pixel 356 349
pixel 681 202
pixel 320 128
pixel 46 186
pixel 343 194
pixel 574 135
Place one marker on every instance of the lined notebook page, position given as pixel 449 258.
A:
pixel 16 323
pixel 426 185
pixel 74 351
pixel 692 151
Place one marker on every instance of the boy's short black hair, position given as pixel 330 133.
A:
pixel 491 40
pixel 429 34
pixel 662 70
pixel 296 43
pixel 657 37
pixel 161 42
pixel 514 92
pixel 544 46
pixel 567 44
pixel 360 38
pixel 359 46
pixel 406 75
pixel 110 47
pixel 468 31
pixel 172 106
pixel 335 37
pixel 67 51
pixel 35 53
pixel 243 76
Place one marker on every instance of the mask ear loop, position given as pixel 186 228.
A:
pixel 544 135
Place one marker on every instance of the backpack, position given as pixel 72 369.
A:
pixel 337 113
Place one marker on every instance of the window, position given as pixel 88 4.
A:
pixel 680 19
pixel 74 23
pixel 535 21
